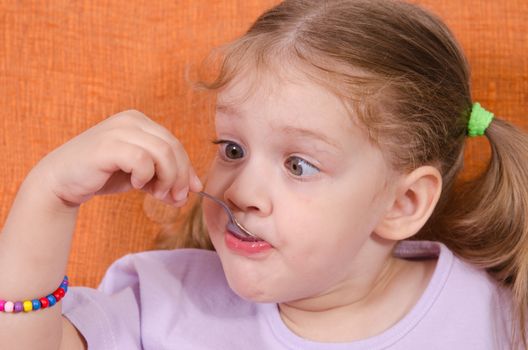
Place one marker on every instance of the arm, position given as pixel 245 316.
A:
pixel 34 248
pixel 123 152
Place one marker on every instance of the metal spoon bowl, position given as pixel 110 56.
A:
pixel 235 225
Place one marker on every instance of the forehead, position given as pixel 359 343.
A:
pixel 287 100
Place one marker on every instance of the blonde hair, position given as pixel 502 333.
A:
pixel 402 73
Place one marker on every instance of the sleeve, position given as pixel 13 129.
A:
pixel 108 317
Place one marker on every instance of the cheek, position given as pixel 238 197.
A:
pixel 326 232
pixel 323 221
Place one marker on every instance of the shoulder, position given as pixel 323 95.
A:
pixel 472 285
pixel 178 294
pixel 462 304
pixel 473 292
pixel 168 257
pixel 176 259
pixel 160 299
pixel 162 267
pixel 452 274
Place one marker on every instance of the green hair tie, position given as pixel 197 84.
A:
pixel 479 120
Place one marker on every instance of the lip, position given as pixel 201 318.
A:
pixel 246 248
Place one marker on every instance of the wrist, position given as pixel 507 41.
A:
pixel 40 186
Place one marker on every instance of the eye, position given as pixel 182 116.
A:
pixel 229 149
pixel 233 151
pixel 300 167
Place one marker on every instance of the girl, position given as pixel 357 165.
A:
pixel 340 130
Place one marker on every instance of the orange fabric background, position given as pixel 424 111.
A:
pixel 65 65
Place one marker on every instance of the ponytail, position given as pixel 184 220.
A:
pixel 486 219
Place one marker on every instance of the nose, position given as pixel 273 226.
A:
pixel 250 190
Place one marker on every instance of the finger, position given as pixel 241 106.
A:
pixel 169 199
pixel 183 184
pixel 171 167
pixel 118 182
pixel 184 179
pixel 131 159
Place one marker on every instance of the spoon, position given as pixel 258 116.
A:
pixel 234 224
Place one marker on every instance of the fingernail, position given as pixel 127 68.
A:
pixel 196 181
pixel 182 194
pixel 136 183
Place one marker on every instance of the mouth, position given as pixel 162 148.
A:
pixel 245 245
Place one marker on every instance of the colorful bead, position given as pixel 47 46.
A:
pixel 36 304
pixel 9 306
pixel 44 302
pixel 52 300
pixel 28 306
pixel 18 306
pixel 59 293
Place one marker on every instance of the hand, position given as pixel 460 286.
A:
pixel 125 151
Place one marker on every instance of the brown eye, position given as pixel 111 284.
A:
pixel 233 151
pixel 300 167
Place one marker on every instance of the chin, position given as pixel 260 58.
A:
pixel 248 288
pixel 259 295
pixel 249 292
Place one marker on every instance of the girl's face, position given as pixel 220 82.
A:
pixel 298 172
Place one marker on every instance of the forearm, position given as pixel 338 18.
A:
pixel 34 249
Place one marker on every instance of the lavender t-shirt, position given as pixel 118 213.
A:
pixel 180 299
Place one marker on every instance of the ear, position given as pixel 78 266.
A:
pixel 416 195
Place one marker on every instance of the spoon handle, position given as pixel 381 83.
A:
pixel 228 211
pixel 218 201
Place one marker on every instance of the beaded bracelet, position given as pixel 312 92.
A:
pixel 36 304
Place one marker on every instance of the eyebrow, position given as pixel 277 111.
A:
pixel 307 133
pixel 298 132
pixel 226 109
